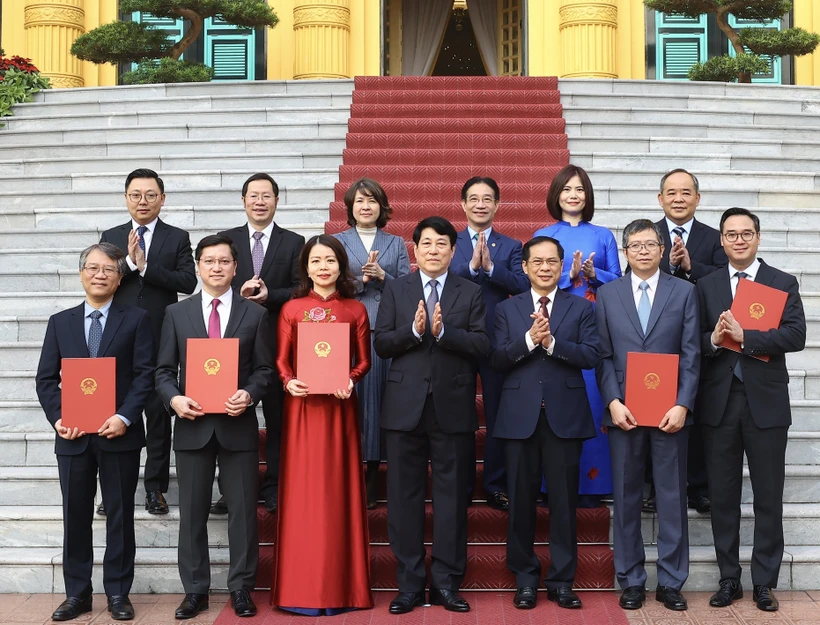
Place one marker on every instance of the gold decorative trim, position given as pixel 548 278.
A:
pixel 49 15
pixel 321 15
pixel 64 81
pixel 588 13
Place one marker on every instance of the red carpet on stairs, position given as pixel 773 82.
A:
pixel 488 608
pixel 422 138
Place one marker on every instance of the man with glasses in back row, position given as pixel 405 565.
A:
pixel 160 265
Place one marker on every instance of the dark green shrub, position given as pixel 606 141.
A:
pixel 167 70
pixel 728 69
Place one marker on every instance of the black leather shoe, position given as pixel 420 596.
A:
pixel 671 598
pixel 71 608
pixel 242 603
pixel 564 597
pixel 632 598
pixel 404 602
pixel 701 503
pixel 450 599
pixel 272 503
pixel 191 605
pixel 101 509
pixel 155 502
pixel 526 598
pixel 765 599
pixel 498 501
pixel 219 506
pixel 730 590
pixel 120 608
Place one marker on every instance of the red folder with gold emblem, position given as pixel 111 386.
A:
pixel 89 392
pixel 756 307
pixel 323 356
pixel 212 372
pixel 651 386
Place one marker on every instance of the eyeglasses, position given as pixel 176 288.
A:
pixel 535 263
pixel 93 270
pixel 267 197
pixel 222 262
pixel 746 235
pixel 136 197
pixel 487 199
pixel 649 246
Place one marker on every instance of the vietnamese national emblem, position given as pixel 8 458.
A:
pixel 652 381
pixel 322 349
pixel 757 310
pixel 212 366
pixel 88 386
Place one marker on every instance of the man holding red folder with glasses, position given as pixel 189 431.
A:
pixel 743 402
pixel 96 329
pixel 648 311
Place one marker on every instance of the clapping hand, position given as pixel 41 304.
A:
pixel 588 267
pixel 540 328
pixel 135 252
pixel 577 262
pixel 372 269
pixel 437 325
pixel 255 290
pixel 731 326
pixel 679 255
pixel 420 321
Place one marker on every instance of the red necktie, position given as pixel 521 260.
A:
pixel 544 301
pixel 214 331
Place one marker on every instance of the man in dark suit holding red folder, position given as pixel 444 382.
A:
pixel 233 438
pixel 743 406
pixel 431 323
pixel 99 328
pixel 543 340
pixel 648 311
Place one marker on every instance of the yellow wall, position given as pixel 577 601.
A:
pixel 807 68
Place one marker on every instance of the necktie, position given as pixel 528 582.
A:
pixel 475 240
pixel 432 300
pixel 678 232
pixel 214 331
pixel 94 333
pixel 544 301
pixel 141 233
pixel 644 307
pixel 738 370
pixel 257 253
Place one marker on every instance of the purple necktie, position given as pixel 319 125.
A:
pixel 213 323
pixel 257 253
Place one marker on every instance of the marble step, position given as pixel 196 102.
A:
pixel 777 218
pixel 713 161
pixel 128 93
pixel 688 146
pixel 668 126
pixel 725 181
pixel 751 197
pixel 224 102
pixel 694 101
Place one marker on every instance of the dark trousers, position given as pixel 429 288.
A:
pixel 697 479
pixel 495 476
pixel 668 452
pixel 407 454
pixel 559 459
pixel 118 474
pixel 158 445
pixel 766 454
pixel 238 472
pixel 272 410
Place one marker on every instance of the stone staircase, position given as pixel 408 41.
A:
pixel 64 159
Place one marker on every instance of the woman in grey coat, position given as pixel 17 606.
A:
pixel 375 257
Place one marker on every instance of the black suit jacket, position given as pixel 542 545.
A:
pixel 705 251
pixel 280 268
pixel 127 337
pixel 533 376
pixel 249 323
pixel 766 383
pixel 449 364
pixel 170 270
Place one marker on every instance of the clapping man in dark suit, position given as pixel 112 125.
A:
pixel 432 324
pixel 160 265
pixel 233 438
pixel 544 338
pixel 743 407
pixel 99 327
pixel 648 311
pixel 493 261
pixel 267 271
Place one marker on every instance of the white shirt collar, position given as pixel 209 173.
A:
pixel 751 270
pixel 652 281
pixel 103 309
pixel 486 232
pixel 425 279
pixel 226 299
pixel 536 304
pixel 671 225
pixel 266 231
pixel 150 226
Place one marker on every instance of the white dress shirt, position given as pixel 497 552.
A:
pixel 265 238
pixel 147 238
pixel 687 229
pixel 425 287
pixel 224 309
pixel 474 241
pixel 751 271
pixel 536 306
pixel 104 309
pixel 652 281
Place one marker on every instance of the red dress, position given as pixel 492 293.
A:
pixel 322 543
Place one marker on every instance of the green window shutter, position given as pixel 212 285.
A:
pixel 680 43
pixel 174 27
pixel 229 50
pixel 774 75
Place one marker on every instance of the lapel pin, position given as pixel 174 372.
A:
pixel 492 244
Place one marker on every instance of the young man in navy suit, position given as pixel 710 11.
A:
pixel 544 338
pixel 492 261
pixel 99 327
